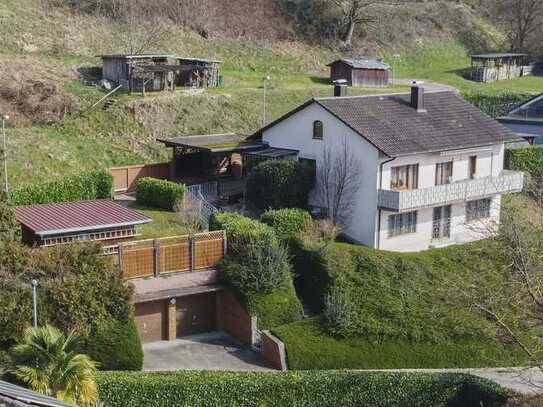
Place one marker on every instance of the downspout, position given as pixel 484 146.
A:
pixel 379 209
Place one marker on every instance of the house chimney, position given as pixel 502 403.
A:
pixel 417 96
pixel 340 88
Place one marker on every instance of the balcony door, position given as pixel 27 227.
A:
pixel 404 177
pixel 444 172
pixel 441 226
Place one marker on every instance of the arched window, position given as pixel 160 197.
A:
pixel 317 130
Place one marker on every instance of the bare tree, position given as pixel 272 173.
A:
pixel 523 18
pixel 188 215
pixel 338 180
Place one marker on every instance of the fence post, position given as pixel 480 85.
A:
pixel 156 247
pixel 120 259
pixel 192 252
pixel 224 244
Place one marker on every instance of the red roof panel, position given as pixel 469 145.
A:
pixel 66 217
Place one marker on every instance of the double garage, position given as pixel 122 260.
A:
pixel 185 314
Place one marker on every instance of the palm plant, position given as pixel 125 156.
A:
pixel 47 361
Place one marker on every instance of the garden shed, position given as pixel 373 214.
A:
pixel 365 72
pixel 198 72
pixel 499 66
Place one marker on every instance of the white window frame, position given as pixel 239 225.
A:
pixel 401 224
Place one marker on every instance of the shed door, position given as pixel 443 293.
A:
pixel 150 320
pixel 196 314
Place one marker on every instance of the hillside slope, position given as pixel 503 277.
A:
pixel 47 48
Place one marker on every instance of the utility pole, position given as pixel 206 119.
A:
pixel 34 283
pixel 395 57
pixel 5 153
pixel 266 79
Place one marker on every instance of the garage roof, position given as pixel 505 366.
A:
pixel 73 217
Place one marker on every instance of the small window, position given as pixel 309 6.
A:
pixel 404 177
pixel 472 167
pixel 444 172
pixel 478 210
pixel 317 130
pixel 402 224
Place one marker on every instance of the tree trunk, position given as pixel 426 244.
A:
pixel 349 36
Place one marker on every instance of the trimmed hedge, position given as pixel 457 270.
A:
pixel 240 230
pixel 86 186
pixel 276 308
pixel 288 223
pixel 310 347
pixel 311 389
pixel 529 159
pixel 116 345
pixel 159 193
pixel 496 104
pixel 280 184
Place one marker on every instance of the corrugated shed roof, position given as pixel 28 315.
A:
pixel 72 217
pixel 363 63
pixel 18 396
pixel 391 124
pixel 498 55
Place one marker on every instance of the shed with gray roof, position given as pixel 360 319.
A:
pixel 365 72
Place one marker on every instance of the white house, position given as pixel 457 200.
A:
pixel 430 164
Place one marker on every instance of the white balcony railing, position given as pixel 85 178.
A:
pixel 465 190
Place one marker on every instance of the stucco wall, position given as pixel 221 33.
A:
pixel 296 132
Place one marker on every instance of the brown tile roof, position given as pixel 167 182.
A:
pixel 72 217
pixel 393 126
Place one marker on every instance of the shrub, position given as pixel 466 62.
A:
pixel 10 229
pixel 159 193
pixel 79 289
pixel 496 104
pixel 339 312
pixel 310 347
pixel 287 223
pixel 86 186
pixel 280 184
pixel 264 268
pixel 277 308
pixel 529 159
pixel 301 389
pixel 115 345
pixel 240 231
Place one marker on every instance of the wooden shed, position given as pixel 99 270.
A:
pixel 142 72
pixel 499 66
pixel 365 72
pixel 198 72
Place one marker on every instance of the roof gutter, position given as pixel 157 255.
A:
pixel 44 233
pixel 381 165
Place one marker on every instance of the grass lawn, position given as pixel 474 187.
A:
pixel 164 224
pixel 310 348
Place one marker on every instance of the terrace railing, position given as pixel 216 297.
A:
pixel 470 189
pixel 200 194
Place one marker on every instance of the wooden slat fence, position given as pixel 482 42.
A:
pixel 147 258
pixel 125 178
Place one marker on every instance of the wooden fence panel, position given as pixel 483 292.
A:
pixel 138 262
pixel 125 178
pixel 208 249
pixel 175 256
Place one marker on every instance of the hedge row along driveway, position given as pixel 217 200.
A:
pixel 311 389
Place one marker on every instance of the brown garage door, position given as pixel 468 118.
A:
pixel 151 320
pixel 196 314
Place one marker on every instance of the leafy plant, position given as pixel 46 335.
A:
pixel 47 360
pixel 86 186
pixel 529 159
pixel 287 223
pixel 339 312
pixel 159 193
pixel 10 229
pixel 280 184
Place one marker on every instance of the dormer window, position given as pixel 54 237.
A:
pixel 317 130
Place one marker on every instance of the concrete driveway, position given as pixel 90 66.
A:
pixel 209 351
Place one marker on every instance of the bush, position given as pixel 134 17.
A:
pixel 496 104
pixel 79 289
pixel 115 345
pixel 86 186
pixel 240 231
pixel 280 184
pixel 159 193
pixel 276 308
pixel 300 389
pixel 529 159
pixel 287 223
pixel 310 347
pixel 264 268
pixel 10 229
pixel 339 312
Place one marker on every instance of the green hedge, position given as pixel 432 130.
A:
pixel 287 223
pixel 310 347
pixel 496 104
pixel 159 193
pixel 240 230
pixel 116 345
pixel 529 159
pixel 277 308
pixel 86 186
pixel 311 389
pixel 280 184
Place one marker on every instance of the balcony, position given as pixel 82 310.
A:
pixel 465 190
